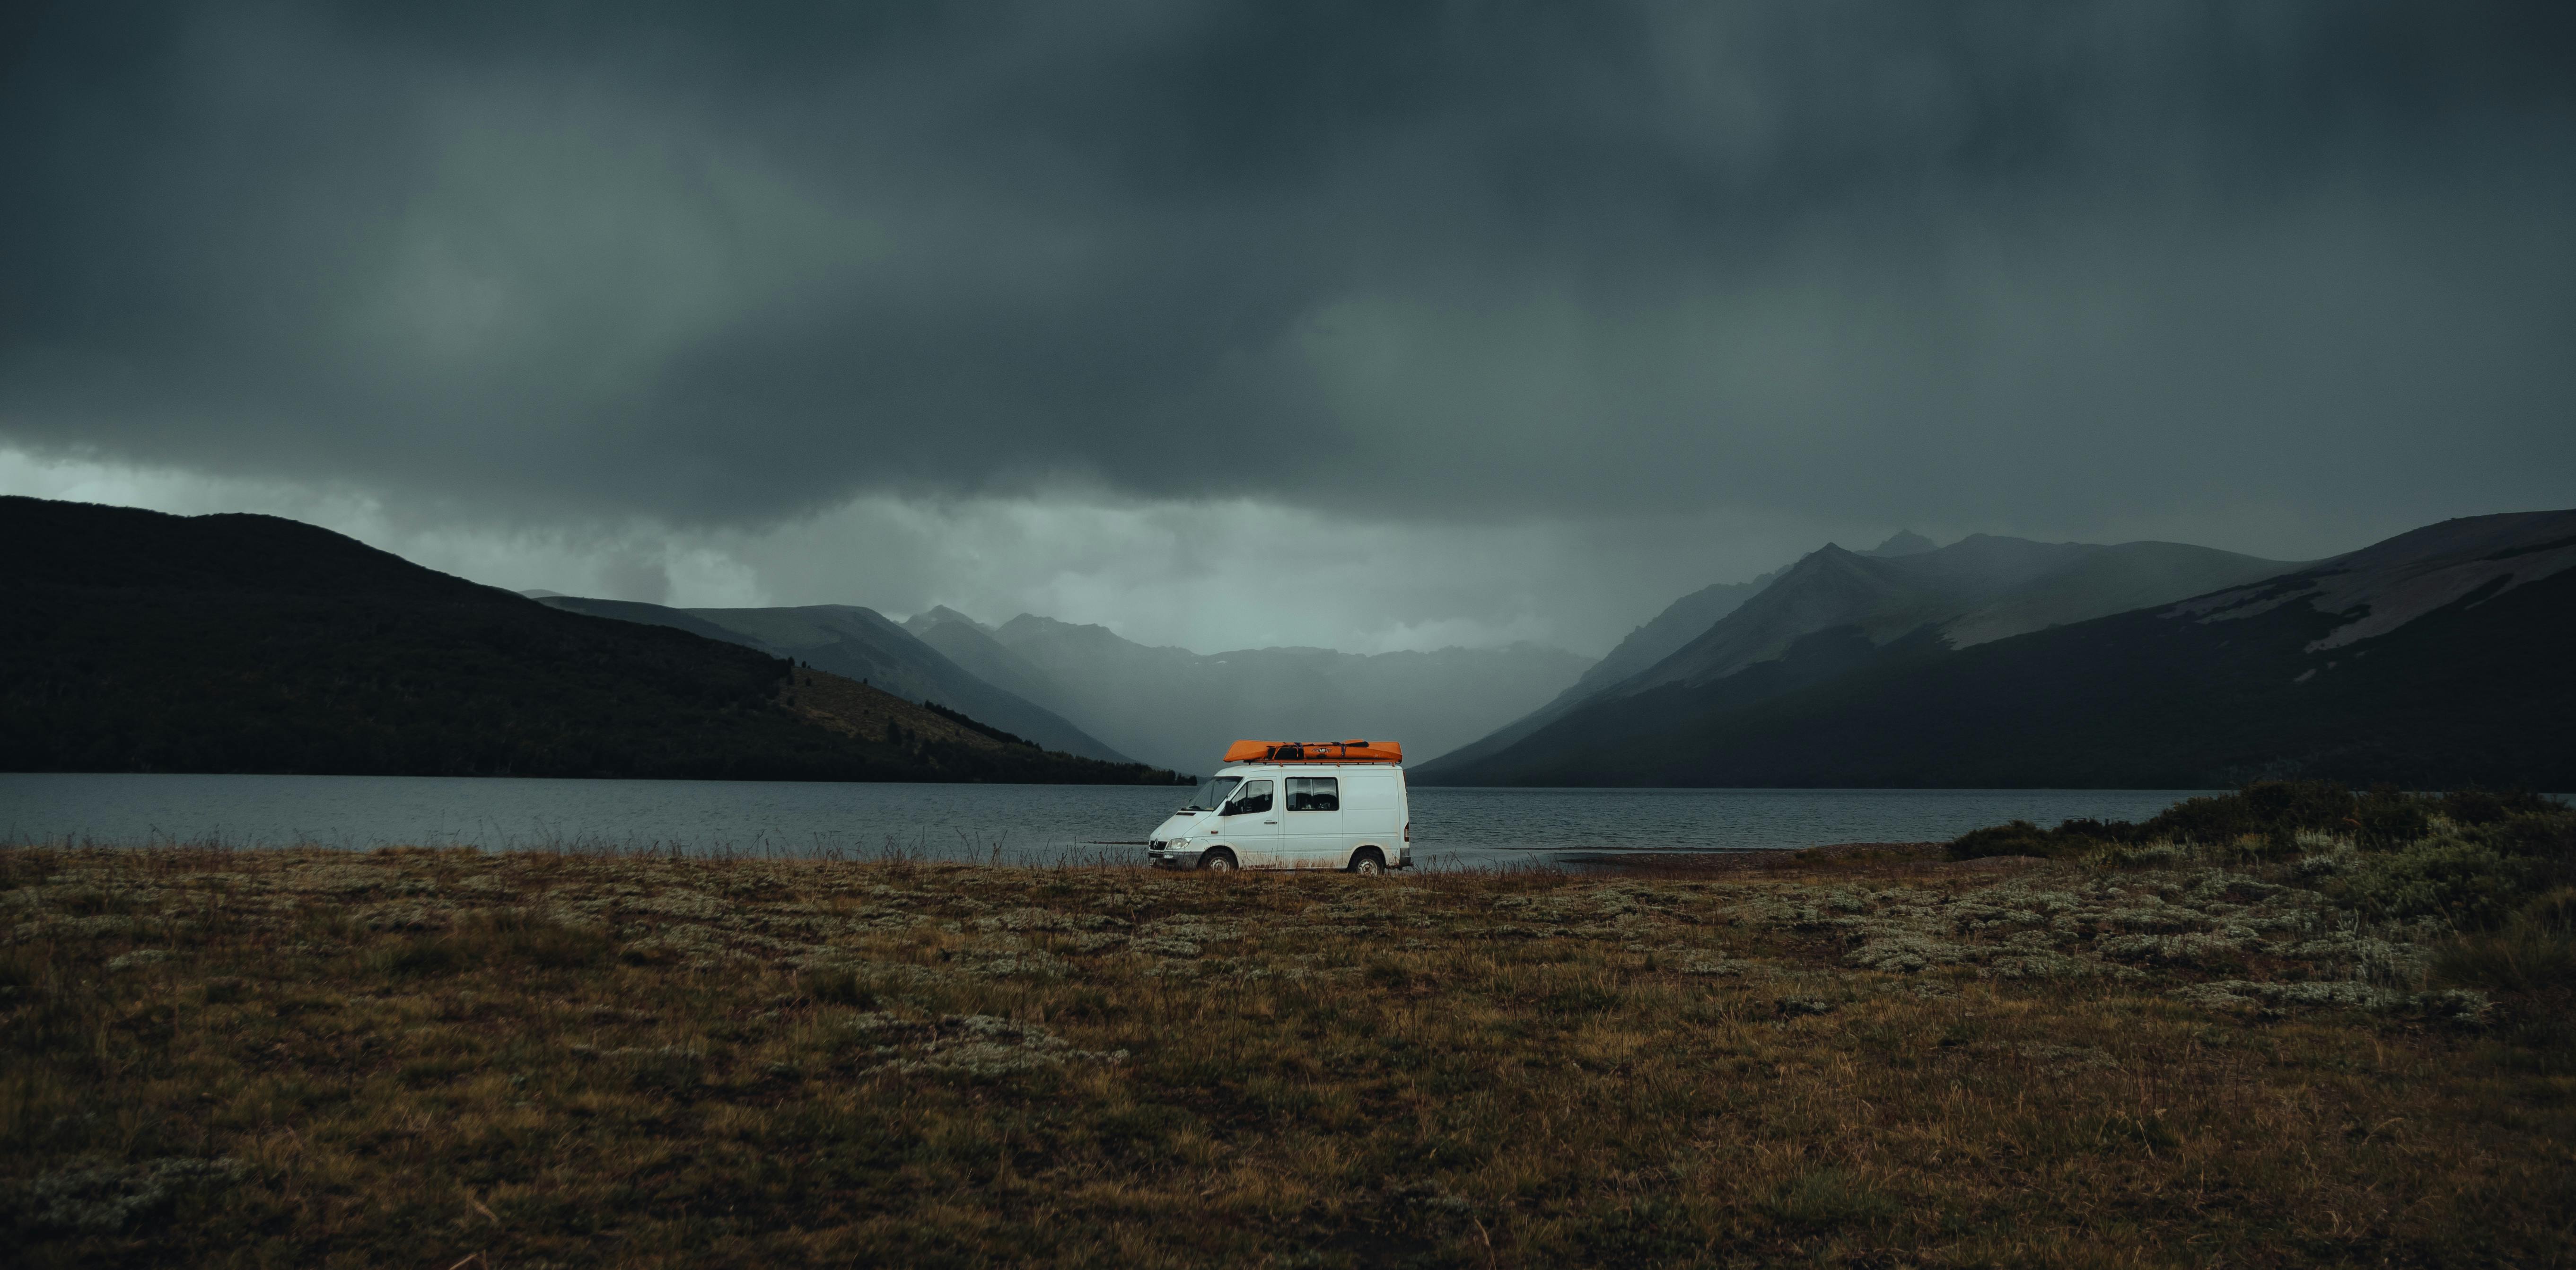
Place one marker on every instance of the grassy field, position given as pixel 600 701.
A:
pixel 441 1058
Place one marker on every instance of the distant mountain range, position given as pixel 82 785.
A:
pixel 1168 703
pixel 1978 589
pixel 2439 657
pixel 863 644
pixel 1085 690
pixel 136 641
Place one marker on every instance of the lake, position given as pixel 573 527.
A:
pixel 1006 823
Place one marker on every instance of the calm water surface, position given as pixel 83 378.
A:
pixel 1011 823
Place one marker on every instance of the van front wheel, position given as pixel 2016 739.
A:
pixel 1219 860
pixel 1368 863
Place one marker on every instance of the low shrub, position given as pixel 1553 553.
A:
pixel 840 987
pixel 2542 835
pixel 2277 810
pixel 2535 951
pixel 2553 911
pixel 2375 819
pixel 2021 837
pixel 1387 972
pixel 418 958
pixel 2487 807
pixel 2283 820
pixel 2519 958
pixel 2466 884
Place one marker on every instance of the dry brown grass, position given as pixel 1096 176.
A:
pixel 419 1058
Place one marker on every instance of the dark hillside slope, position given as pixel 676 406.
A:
pixel 1978 589
pixel 2437 659
pixel 2116 579
pixel 863 644
pixel 1681 622
pixel 136 641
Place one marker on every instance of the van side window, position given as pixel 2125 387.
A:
pixel 1314 793
pixel 1254 798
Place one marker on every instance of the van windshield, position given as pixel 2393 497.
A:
pixel 1211 793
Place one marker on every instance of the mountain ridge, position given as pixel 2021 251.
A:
pixel 1980 588
pixel 972 645
pixel 2471 686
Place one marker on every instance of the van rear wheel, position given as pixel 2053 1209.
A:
pixel 1218 861
pixel 1368 863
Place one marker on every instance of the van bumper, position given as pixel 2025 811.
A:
pixel 1162 857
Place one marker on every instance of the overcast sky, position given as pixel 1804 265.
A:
pixel 1375 325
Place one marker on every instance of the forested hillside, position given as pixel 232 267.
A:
pixel 137 641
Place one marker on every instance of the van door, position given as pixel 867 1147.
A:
pixel 1250 825
pixel 1314 821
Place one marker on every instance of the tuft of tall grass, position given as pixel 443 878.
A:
pixel 839 986
pixel 522 937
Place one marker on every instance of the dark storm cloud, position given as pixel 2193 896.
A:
pixel 721 264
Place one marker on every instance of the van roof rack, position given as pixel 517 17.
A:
pixel 1315 752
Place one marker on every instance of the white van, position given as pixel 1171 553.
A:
pixel 1289 805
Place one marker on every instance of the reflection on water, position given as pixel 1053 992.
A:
pixel 1000 823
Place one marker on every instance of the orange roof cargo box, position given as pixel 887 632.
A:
pixel 1314 752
